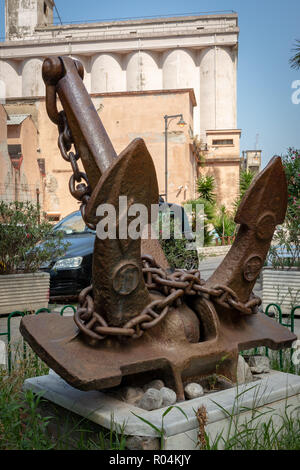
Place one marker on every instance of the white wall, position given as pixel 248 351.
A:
pixel 10 69
pixel 142 71
pixel 107 74
pixel 32 82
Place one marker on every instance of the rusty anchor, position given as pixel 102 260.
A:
pixel 138 320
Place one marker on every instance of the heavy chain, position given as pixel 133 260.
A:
pixel 82 190
pixel 174 286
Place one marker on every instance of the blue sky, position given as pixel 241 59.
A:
pixel 268 29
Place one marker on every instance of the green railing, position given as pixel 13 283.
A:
pixel 7 333
pixel 289 324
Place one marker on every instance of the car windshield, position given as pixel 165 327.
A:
pixel 71 224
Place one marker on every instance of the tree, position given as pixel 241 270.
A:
pixel 246 178
pixel 285 252
pixel 224 223
pixel 21 234
pixel 206 188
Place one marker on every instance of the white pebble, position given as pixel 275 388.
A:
pixel 193 390
pixel 151 400
pixel 168 396
pixel 158 384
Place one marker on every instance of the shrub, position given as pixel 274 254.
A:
pixel 175 250
pixel 21 234
pixel 285 252
pixel 246 178
pixel 209 214
pixel 224 223
pixel 206 188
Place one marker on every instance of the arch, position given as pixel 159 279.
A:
pixel 32 82
pixel 106 73
pixel 142 71
pixel 87 70
pixel 179 69
pixel 11 79
pixel 217 89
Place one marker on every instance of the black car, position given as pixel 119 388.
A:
pixel 73 272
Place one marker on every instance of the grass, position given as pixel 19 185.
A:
pixel 247 428
pixel 24 425
pixel 161 431
pixel 251 428
pixel 28 422
pixel 21 425
pixel 279 360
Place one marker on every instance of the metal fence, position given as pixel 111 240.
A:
pixel 7 333
pixel 289 323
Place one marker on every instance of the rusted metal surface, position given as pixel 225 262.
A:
pixel 137 317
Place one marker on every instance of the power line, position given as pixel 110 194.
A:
pixel 57 12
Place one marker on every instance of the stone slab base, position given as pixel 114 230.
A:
pixel 272 393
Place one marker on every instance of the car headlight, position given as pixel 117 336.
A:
pixel 68 263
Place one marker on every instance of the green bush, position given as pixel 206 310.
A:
pixel 206 188
pixel 175 250
pixel 224 223
pixel 209 209
pixel 286 238
pixel 246 178
pixel 21 232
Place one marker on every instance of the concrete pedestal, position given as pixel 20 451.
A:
pixel 272 393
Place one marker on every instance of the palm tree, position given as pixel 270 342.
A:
pixel 295 60
pixel 246 177
pixel 206 187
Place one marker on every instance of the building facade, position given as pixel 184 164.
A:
pixel 251 160
pixel 139 58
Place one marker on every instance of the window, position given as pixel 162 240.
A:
pixel 15 153
pixel 73 223
pixel 222 142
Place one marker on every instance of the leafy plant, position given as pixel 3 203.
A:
pixel 20 233
pixel 176 252
pixel 200 149
pixel 206 188
pixel 246 178
pixel 224 223
pixel 285 250
pixel 209 214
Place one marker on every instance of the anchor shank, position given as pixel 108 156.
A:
pixel 90 137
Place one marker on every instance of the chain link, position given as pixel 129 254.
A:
pixel 80 191
pixel 174 286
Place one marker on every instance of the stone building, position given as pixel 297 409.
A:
pixel 251 160
pixel 21 178
pixel 136 71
